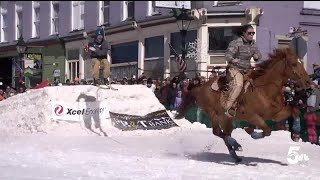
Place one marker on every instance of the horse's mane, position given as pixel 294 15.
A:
pixel 274 57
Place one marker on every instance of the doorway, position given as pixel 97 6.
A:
pixel 5 72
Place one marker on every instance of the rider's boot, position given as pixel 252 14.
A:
pixel 230 109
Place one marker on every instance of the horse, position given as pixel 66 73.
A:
pixel 262 100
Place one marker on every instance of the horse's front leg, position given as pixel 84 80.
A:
pixel 227 130
pixel 228 140
pixel 259 122
pixel 284 114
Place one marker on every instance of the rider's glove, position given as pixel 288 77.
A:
pixel 92 49
pixel 256 57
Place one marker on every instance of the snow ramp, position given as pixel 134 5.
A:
pixel 36 111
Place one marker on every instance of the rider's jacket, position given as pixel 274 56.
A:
pixel 243 50
pixel 101 49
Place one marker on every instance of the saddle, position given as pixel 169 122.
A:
pixel 224 84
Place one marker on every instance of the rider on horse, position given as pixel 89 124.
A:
pixel 238 56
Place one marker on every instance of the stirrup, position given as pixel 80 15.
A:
pixel 230 114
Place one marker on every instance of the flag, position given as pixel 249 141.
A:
pixel 42 84
pixel 19 69
pixel 181 62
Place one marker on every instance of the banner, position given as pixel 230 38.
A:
pixel 42 84
pixel 79 111
pixel 156 120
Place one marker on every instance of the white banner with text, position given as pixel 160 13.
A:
pixel 79 111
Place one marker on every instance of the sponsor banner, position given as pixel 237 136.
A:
pixel 156 120
pixel 79 111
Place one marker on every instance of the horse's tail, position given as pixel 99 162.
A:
pixel 188 100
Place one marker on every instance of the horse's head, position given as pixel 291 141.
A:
pixel 291 67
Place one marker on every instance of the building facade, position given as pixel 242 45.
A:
pixel 138 34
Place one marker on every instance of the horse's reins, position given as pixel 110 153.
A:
pixel 285 68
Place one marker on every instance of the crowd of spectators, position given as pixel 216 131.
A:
pixel 10 91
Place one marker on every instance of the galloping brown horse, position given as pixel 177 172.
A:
pixel 261 101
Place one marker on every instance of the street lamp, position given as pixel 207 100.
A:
pixel 184 17
pixel 21 45
pixel 21 48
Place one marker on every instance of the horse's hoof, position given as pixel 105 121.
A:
pixel 249 130
pixel 239 148
pixel 257 135
pixel 178 116
pixel 238 160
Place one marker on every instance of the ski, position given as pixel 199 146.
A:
pixel 107 87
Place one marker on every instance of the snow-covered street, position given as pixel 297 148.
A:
pixel 187 154
pixel 34 146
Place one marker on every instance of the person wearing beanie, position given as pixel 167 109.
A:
pixel 316 72
pixel 98 52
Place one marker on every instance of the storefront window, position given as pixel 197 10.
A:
pixel 220 37
pixel 153 62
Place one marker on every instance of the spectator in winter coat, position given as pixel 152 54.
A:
pixel 172 95
pixel 311 116
pixel 8 90
pixel 157 92
pixel 3 94
pixel 184 86
pixel 164 91
pixel 178 100
pixel 316 73
pixel 150 84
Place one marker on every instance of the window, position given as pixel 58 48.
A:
pixel 73 63
pixel 226 3
pixel 131 55
pixel 19 20
pixel 104 12
pixel 4 25
pixel 151 9
pixel 311 5
pixel 128 10
pixel 154 47
pixel 55 17
pixel 77 15
pixel 220 37
pixel 36 19
pixel 153 62
pixel 176 40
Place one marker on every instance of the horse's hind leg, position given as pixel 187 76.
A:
pixel 216 130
